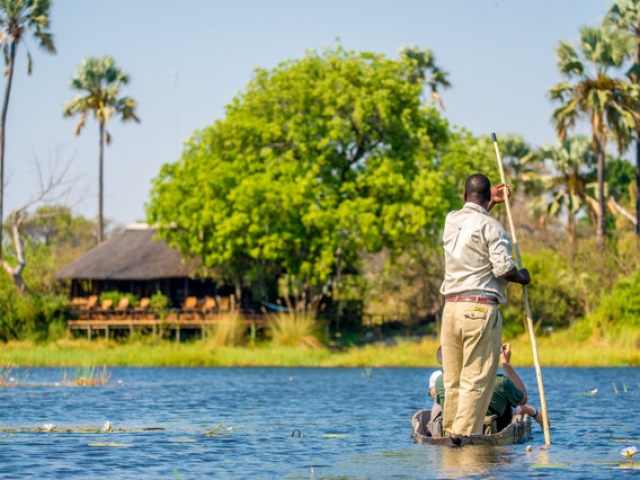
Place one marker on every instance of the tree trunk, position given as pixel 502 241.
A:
pixel 638 183
pixel 16 273
pixel 3 122
pixel 601 225
pixel 101 187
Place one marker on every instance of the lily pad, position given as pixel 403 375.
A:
pixel 554 466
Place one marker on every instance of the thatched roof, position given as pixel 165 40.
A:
pixel 131 255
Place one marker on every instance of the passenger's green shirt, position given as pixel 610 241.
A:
pixel 505 394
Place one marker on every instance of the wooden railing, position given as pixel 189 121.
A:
pixel 176 319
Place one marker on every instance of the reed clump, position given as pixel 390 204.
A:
pixel 295 329
pixel 228 331
pixel 5 374
pixel 86 377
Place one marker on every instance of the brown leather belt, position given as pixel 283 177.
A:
pixel 473 298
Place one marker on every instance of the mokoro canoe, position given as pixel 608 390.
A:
pixel 518 431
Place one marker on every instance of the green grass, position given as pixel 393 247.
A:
pixel 557 350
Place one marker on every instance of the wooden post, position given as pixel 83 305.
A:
pixel 89 332
pixel 527 308
pixel 106 332
pixel 177 333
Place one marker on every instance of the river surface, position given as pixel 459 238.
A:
pixel 348 423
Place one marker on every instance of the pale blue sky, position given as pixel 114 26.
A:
pixel 499 54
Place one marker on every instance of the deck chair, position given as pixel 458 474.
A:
pixel 189 307
pixel 208 307
pixel 142 309
pixel 105 308
pixel 78 302
pixel 89 305
pixel 224 304
pixel 92 302
pixel 123 306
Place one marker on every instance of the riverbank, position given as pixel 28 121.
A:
pixel 557 350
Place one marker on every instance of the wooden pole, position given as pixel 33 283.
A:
pixel 525 294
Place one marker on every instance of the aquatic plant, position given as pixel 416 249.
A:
pixel 107 426
pixel 615 390
pixel 48 427
pixel 5 374
pixel 624 387
pixel 86 377
pixel 629 452
pixel 368 372
pixel 215 431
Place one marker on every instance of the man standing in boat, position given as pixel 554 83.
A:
pixel 478 266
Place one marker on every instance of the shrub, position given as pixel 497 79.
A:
pixel 295 329
pixel 557 295
pixel 116 296
pixel 29 316
pixel 229 331
pixel 158 301
pixel 620 308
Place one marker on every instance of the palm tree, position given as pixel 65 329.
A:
pixel 605 101
pixel 101 80
pixel 568 182
pixel 16 18
pixel 625 16
pixel 421 61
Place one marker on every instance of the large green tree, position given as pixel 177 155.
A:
pixel 16 18
pixel 625 16
pixel 100 81
pixel 570 173
pixel 316 161
pixel 592 93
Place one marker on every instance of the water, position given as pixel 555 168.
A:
pixel 351 426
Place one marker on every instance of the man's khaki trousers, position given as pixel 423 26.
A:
pixel 471 337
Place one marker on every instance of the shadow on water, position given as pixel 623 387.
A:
pixel 238 422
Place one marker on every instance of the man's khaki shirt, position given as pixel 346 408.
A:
pixel 477 252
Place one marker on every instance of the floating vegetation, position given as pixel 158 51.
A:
pixel 109 445
pixel 107 426
pixel 49 427
pixel 300 434
pixel 6 379
pixel 629 452
pixel 86 377
pixel 215 431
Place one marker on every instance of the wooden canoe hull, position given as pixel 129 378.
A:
pixel 518 431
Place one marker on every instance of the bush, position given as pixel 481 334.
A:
pixel 29 316
pixel 295 329
pixel 158 301
pixel 619 309
pixel 229 331
pixel 116 296
pixel 557 295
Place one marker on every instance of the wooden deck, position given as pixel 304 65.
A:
pixel 175 321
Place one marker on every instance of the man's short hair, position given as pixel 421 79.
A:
pixel 478 187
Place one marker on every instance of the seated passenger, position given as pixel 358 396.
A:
pixel 509 394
